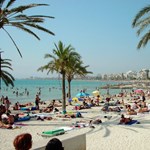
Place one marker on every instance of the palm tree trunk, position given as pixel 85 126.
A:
pixel 63 94
pixel 69 88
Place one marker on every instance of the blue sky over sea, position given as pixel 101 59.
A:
pixel 100 31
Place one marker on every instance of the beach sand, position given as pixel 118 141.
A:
pixel 106 136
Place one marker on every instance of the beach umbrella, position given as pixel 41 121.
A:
pixel 75 99
pixel 80 99
pixel 138 91
pixel 82 94
pixel 95 93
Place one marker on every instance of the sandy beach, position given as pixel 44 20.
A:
pixel 108 135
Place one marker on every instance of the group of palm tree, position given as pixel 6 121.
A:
pixel 65 60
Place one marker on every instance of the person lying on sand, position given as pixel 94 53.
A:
pixel 5 126
pixel 130 111
pixel 142 109
pixel 48 109
pixel 44 117
pixel 16 106
pixel 7 121
pixel 125 120
pixel 76 115
pixel 96 121
pixel 114 109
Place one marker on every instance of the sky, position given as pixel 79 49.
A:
pixel 99 30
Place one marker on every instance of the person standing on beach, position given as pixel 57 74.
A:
pixel 37 101
pixel 97 100
pixel 7 104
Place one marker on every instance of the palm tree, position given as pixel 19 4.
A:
pixel 15 17
pixel 142 21
pixel 59 64
pixel 5 75
pixel 75 67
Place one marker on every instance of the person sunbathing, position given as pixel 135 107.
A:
pixel 96 121
pixel 66 116
pixel 5 126
pixel 135 105
pixel 105 107
pixel 44 117
pixel 143 104
pixel 115 109
pixel 130 111
pixel 76 115
pixel 48 109
pixel 8 119
pixel 16 106
pixel 125 120
pixel 142 110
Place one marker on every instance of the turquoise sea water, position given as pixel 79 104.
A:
pixel 50 89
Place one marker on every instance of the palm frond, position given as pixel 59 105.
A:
pixel 10 3
pixel 25 29
pixel 144 40
pixel 39 28
pixel 140 22
pixel 23 8
pixel 140 14
pixel 7 78
pixel 143 27
pixel 1 3
pixel 13 42
pixel 19 17
pixel 41 16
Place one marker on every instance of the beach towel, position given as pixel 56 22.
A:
pixel 131 122
pixel 20 124
pixel 25 118
pixel 66 128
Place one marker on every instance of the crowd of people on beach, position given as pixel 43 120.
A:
pixel 137 104
pixel 125 103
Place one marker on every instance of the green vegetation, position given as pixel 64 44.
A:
pixel 4 75
pixel 75 68
pixel 16 17
pixel 66 62
pixel 142 21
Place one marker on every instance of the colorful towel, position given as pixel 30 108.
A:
pixel 131 122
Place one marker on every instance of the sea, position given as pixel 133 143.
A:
pixel 25 90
